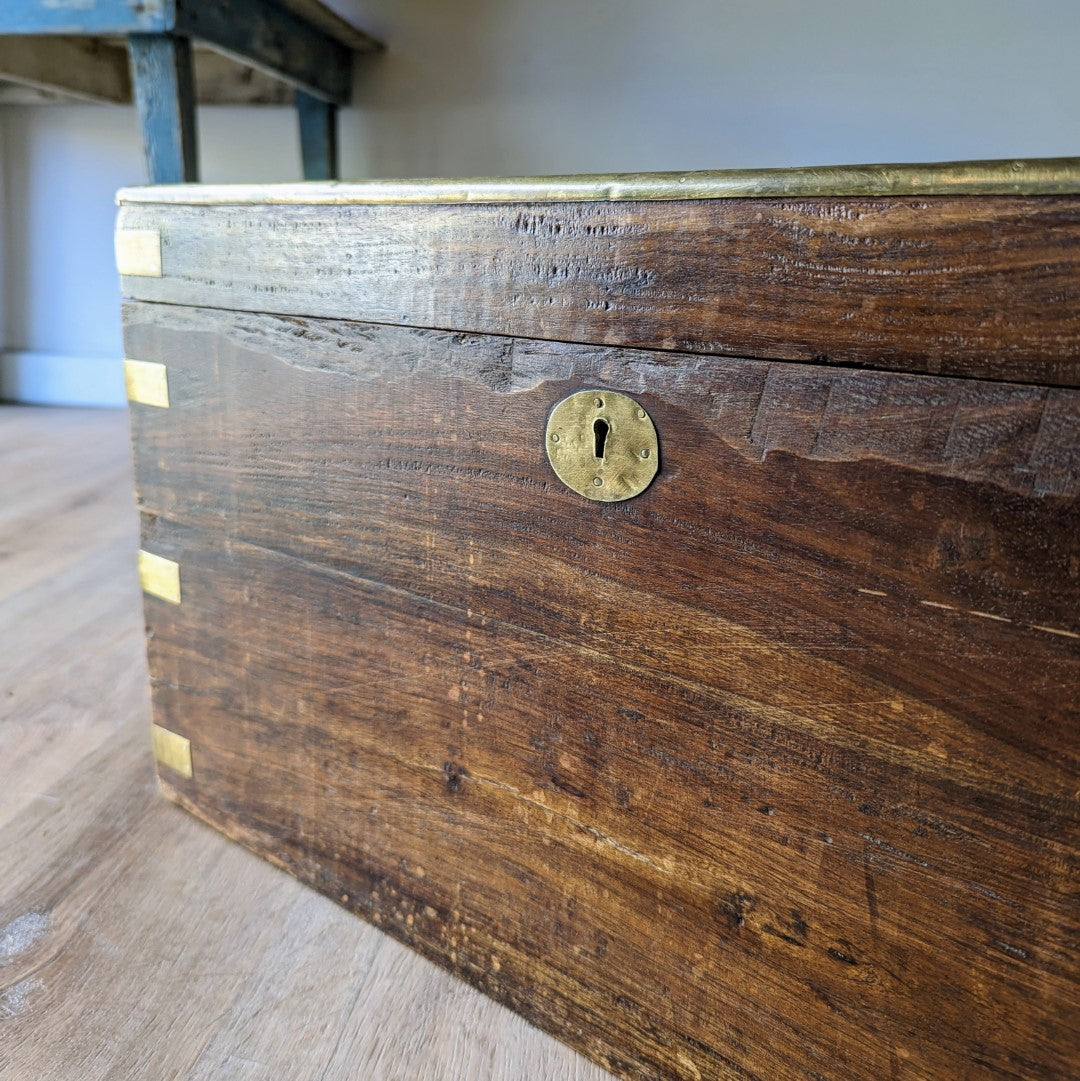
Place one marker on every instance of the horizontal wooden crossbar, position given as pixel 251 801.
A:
pixel 84 68
pixel 278 39
pixel 274 40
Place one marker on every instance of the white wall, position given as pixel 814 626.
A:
pixel 486 87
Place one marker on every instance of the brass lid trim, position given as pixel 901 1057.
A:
pixel 1032 176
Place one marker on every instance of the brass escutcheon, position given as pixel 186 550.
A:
pixel 602 445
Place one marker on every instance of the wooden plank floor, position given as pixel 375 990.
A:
pixel 135 942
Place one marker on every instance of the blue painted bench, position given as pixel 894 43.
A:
pixel 301 42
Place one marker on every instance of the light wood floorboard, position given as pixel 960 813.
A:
pixel 134 941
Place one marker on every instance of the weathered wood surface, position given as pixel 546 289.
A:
pixel 221 80
pixel 327 20
pixel 87 69
pixel 163 75
pixel 769 773
pixel 984 287
pixel 85 17
pixel 135 943
pixel 302 42
pixel 275 38
pixel 116 17
pixel 318 137
pixel 97 69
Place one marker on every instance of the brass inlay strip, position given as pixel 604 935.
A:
pixel 147 382
pixel 138 253
pixel 1030 176
pixel 159 577
pixel 171 750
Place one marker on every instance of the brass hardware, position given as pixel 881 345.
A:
pixel 1031 176
pixel 602 445
pixel 138 253
pixel 147 382
pixel 171 750
pixel 159 577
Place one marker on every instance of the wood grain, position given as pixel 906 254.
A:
pixel 274 37
pixel 770 772
pixel 124 952
pixel 56 70
pixel 330 22
pixel 301 41
pixel 87 69
pixel 163 77
pixel 982 287
pixel 318 137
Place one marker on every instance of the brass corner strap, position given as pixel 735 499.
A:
pixel 171 750
pixel 138 253
pixel 146 382
pixel 160 577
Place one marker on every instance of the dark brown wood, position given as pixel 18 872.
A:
pixel 768 773
pixel 134 943
pixel 984 287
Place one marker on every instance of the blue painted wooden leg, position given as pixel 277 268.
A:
pixel 318 137
pixel 164 78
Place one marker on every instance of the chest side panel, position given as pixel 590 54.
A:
pixel 769 772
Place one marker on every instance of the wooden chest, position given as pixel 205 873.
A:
pixel 652 598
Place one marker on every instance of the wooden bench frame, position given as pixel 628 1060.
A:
pixel 299 42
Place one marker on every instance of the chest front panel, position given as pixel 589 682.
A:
pixel 769 771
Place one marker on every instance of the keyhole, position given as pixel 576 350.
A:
pixel 600 433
